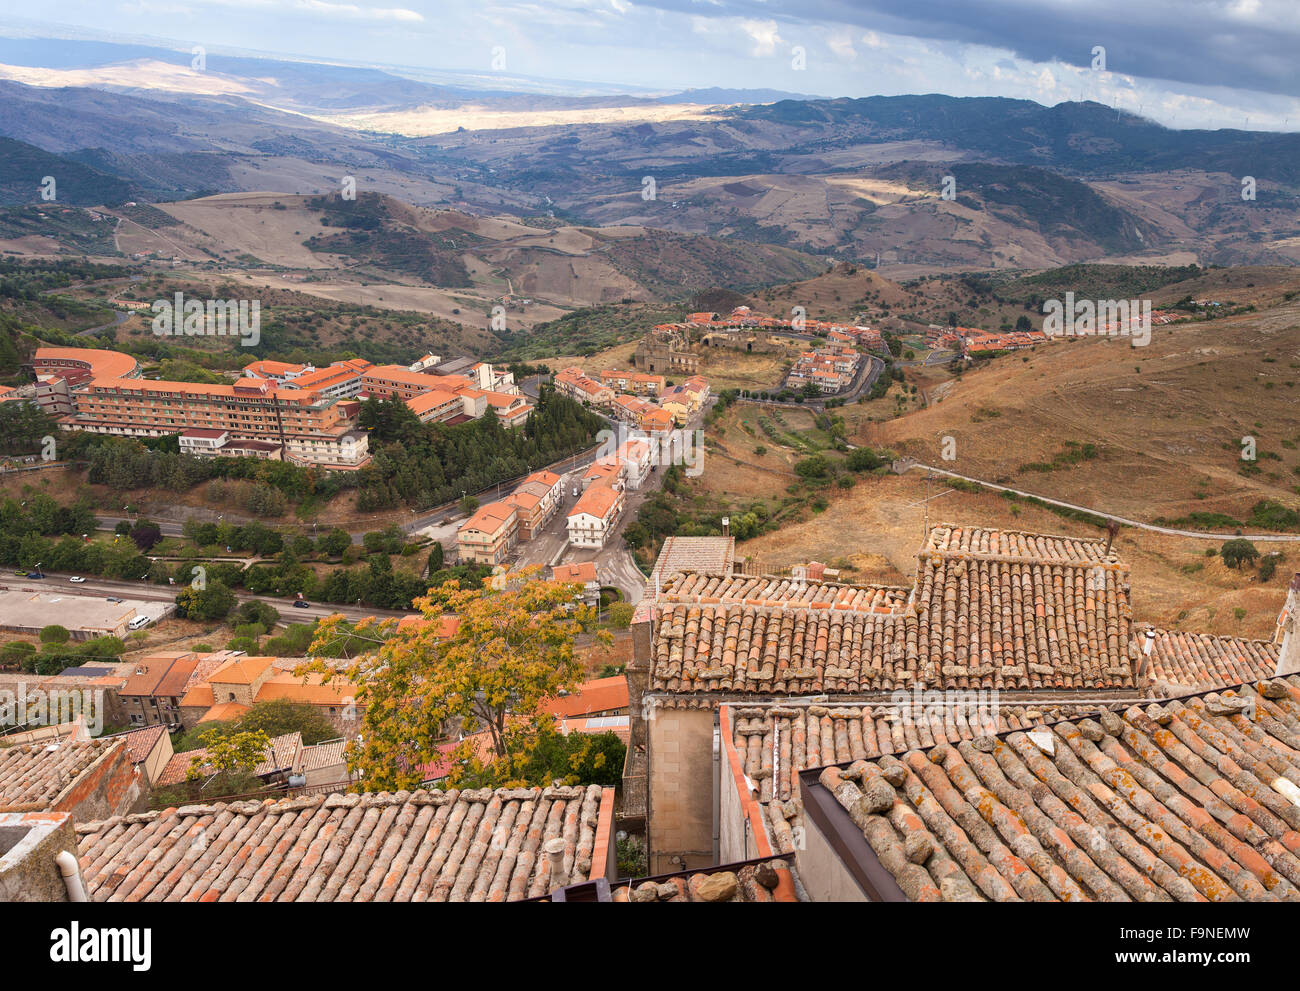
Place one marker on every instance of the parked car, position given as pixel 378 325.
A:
pixel 301 604
pixel 76 578
pixel 35 575
pixel 21 574
pixel 139 623
pixel 114 598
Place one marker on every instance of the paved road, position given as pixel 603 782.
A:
pixel 57 582
pixel 1170 531
pixel 865 378
pixel 119 318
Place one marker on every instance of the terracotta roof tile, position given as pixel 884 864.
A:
pixel 33 775
pixel 1191 799
pixel 480 845
pixel 769 881
pixel 140 741
pixel 1181 661
pixel 774 741
pixel 989 609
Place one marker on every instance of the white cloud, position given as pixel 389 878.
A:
pixel 842 45
pixel 764 34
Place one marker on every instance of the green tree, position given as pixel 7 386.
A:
pixel 54 633
pixel 213 602
pixel 512 651
pixel 1238 552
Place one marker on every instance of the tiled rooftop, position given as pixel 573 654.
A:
pixel 33 775
pixel 281 754
pixel 707 554
pixel 989 609
pixel 1188 799
pixel 769 881
pixel 321 755
pixel 1181 662
pixel 775 741
pixel 480 845
pixel 140 742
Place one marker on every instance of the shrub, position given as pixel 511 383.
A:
pixel 1238 552
pixel 54 633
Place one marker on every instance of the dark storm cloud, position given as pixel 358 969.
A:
pixel 1245 44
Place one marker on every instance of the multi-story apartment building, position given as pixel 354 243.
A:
pixel 341 380
pixel 154 689
pixel 310 428
pixel 576 384
pixel 511 410
pixel 489 535
pixel 637 383
pixel 437 406
pixel 399 382
pixel 536 500
pixel 592 518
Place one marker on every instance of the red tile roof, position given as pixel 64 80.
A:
pixel 140 742
pixel 1190 799
pixel 599 695
pixel 474 845
pixel 583 572
pixel 989 609
pixel 1181 661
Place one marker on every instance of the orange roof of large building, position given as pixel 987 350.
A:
pixel 177 679
pixel 490 518
pixel 241 671
pixel 271 369
pixel 545 477
pixel 298 397
pixel 323 378
pixel 598 695
pixel 597 501
pixel 199 695
pixel 150 671
pixel 430 400
pixel 657 418
pixel 584 572
pixel 224 712
pixel 103 363
pixel 311 689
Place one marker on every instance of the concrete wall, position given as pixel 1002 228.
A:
pixel 823 873
pixel 29 842
pixel 109 787
pixel 680 788
pixel 741 826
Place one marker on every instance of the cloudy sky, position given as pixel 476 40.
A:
pixel 1216 63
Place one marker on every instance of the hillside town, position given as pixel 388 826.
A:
pixel 1000 731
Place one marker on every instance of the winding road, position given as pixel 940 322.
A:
pixel 1123 520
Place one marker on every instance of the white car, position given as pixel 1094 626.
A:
pixel 76 578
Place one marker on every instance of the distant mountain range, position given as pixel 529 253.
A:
pixel 1035 186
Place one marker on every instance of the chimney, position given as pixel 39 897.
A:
pixel 1112 528
pixel 726 526
pixel 1288 657
pixel 1146 653
pixel 554 848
